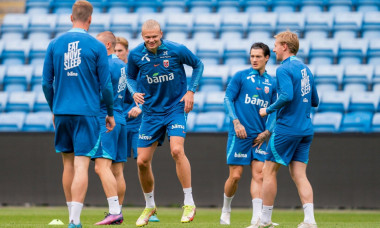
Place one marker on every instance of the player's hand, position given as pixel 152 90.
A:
pixel 263 112
pixel 139 98
pixel 188 98
pixel 110 123
pixel 262 137
pixel 239 129
pixel 53 119
pixel 134 112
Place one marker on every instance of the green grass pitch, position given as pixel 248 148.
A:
pixel 30 217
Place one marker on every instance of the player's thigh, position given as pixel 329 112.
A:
pixel 175 123
pixel 63 138
pixel 122 146
pixel 282 148
pixel 301 153
pixel 152 129
pixel 86 136
pixel 239 151
pixel 108 147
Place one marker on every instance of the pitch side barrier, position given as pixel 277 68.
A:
pixel 343 169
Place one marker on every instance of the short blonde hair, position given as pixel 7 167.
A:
pixel 122 41
pixel 150 25
pixel 108 37
pixel 82 10
pixel 290 39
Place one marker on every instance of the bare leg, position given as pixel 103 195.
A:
pixel 68 174
pixel 103 169
pixel 298 173
pixel 232 182
pixel 182 163
pixel 257 179
pixel 117 170
pixel 144 164
pixel 269 189
pixel 80 181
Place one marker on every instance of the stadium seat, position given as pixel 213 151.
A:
pixel 282 6
pixel 228 6
pixel 125 24
pixel 209 122
pixel 215 75
pixel 18 75
pixel 357 122
pixel 334 102
pixel 233 26
pixel 206 26
pixel 210 51
pixel 42 26
pixel 63 24
pixel 36 82
pixel 37 121
pixel 3 70
pixel 40 104
pixel 20 102
pixel 190 121
pixel 237 53
pixel 367 6
pixel 329 74
pixel 118 6
pixel 145 6
pixel 16 52
pixel 303 51
pixel 1 49
pixel 214 101
pixel 100 23
pixel 358 74
pixel 326 87
pixel 3 100
pixel 347 25
pixel 199 100
pixel 373 53
pixel 173 6
pixel 201 6
pixel 376 76
pixel 37 6
pixel 14 26
pixel 376 123
pixel 178 26
pixel 327 122
pixel 323 52
pixel 294 22
pixel 159 17
pixel 62 6
pixel 271 70
pixel 270 42
pixel 256 6
pixel 352 51
pixel 311 6
pixel 38 51
pixel 236 68
pixel 11 121
pixel 262 26
pixel 371 25
pixel 318 25
pixel 339 6
pixel 364 101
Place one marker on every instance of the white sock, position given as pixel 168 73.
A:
pixel 227 203
pixel 121 208
pixel 308 209
pixel 188 197
pixel 257 206
pixel 149 200
pixel 76 209
pixel 266 215
pixel 69 208
pixel 113 205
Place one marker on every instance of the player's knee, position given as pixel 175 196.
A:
pixel 98 169
pixel 235 177
pixel 142 163
pixel 177 152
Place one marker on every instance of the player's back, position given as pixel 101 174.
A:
pixel 295 117
pixel 78 60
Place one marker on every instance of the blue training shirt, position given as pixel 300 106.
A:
pixel 77 64
pixel 247 92
pixel 119 85
pixel 162 76
pixel 296 95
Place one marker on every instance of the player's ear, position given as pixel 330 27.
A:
pixel 71 18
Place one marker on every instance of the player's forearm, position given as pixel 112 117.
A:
pixel 280 102
pixel 271 122
pixel 132 86
pixel 196 77
pixel 49 93
pixel 107 94
pixel 229 105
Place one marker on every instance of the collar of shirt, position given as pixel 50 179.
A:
pixel 290 58
pixel 161 47
pixel 77 30
pixel 253 71
pixel 113 56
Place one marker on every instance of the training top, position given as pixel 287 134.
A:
pixel 247 92
pixel 77 64
pixel 162 76
pixel 296 95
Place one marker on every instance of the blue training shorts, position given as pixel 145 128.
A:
pixel 241 152
pixel 154 127
pixel 114 145
pixel 78 134
pixel 132 138
pixel 285 148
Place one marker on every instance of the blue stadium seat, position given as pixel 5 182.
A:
pixel 42 26
pixel 21 102
pixel 323 52
pixel 118 6
pixel 282 6
pixel 16 52
pixel 262 26
pixel 334 102
pixel 256 6
pixel 233 26
pixel 63 24
pixel 376 123
pixel 236 68
pixel 352 51
pixel 14 26
pixel 368 5
pixel 19 76
pixel 373 53
pixel 145 6
pixel 210 51
pixel 40 104
pixel 124 25
pixel 201 6
pixel 357 122
pixel 347 25
pixel 339 6
pixel 294 22
pixel 228 6
pixel 361 75
pixel 326 87
pixel 199 100
pixel 329 74
pixel 37 121
pixel 178 26
pixel 36 81
pixel 271 70
pixel 364 101
pixel 1 49
pixel 3 100
pixel 159 17
pixel 11 121
pixel 303 51
pixel 214 102
pixel 237 53
pixel 376 76
pixel 190 121
pixel 206 26
pixel 215 75
pixel 311 6
pixel 371 25
pixel 62 6
pixel 270 43
pixel 327 122
pixel 318 25
pixel 209 122
pixel 3 70
pixel 38 51
pixel 37 6
pixel 173 6
pixel 100 23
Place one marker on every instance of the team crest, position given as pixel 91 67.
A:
pixel 266 89
pixel 166 63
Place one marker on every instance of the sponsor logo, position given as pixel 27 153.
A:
pixel 240 155
pixel 159 78
pixel 305 83
pixel 305 100
pixel 266 82
pixel 266 89
pixel 122 80
pixel 165 53
pixel 260 151
pixel 72 56
pixel 156 65
pixel 71 74
pixel 175 126
pixel 252 77
pixel 258 88
pixel 145 57
pixel 166 63
pixel 255 101
pixel 145 137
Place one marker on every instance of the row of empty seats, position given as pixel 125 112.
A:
pixel 204 26
pixel 197 6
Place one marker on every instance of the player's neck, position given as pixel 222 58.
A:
pixel 261 71
pixel 80 25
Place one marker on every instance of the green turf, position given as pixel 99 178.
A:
pixel 170 217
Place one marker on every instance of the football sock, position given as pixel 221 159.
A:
pixel 308 209
pixel 266 216
pixel 113 205
pixel 188 197
pixel 121 208
pixel 257 206
pixel 76 209
pixel 149 200
pixel 227 203
pixel 69 208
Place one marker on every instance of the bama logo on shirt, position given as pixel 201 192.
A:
pixel 159 78
pixel 72 57
pixel 255 101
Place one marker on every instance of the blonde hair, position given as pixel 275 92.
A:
pixel 150 25
pixel 108 37
pixel 122 41
pixel 82 10
pixel 290 39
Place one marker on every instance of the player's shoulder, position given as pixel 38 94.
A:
pixel 137 52
pixel 244 72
